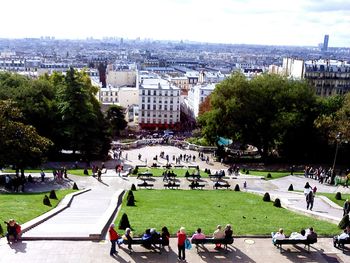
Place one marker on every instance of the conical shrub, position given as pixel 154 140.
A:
pixel 75 187
pixel 268 175
pixel 344 222
pixel 130 200
pixel 133 187
pixel 237 188
pixel 1 231
pixel 124 222
pixel 277 202
pixel 291 188
pixel 53 195
pixel 46 201
pixel 130 193
pixel 266 197
pixel 338 196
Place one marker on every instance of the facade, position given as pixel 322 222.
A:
pixel 121 78
pixel 159 104
pixel 325 43
pixel 196 95
pixel 328 77
pixel 124 96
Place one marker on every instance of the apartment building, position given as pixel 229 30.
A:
pixel 159 104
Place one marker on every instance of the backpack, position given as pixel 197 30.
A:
pixel 188 244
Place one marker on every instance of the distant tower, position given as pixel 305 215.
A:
pixel 325 43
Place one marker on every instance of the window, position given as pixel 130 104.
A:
pixel 160 107
pixel 148 107
pixel 148 99
pixel 148 114
pixel 143 92
pixel 143 106
pixel 149 92
pixel 155 93
pixel 143 99
pixel 165 107
pixel 154 107
pixel 171 101
pixel 171 107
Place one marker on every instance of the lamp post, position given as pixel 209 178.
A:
pixel 338 140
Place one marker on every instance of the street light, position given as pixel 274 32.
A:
pixel 338 140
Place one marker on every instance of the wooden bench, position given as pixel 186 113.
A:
pixel 218 185
pixel 306 242
pixel 145 185
pixel 196 186
pixel 140 241
pixel 341 243
pixel 204 241
pixel 144 175
pixel 171 186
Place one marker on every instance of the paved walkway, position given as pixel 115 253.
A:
pixel 243 250
pixel 87 211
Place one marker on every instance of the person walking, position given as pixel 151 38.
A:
pixel 310 200
pixel 181 237
pixel 113 237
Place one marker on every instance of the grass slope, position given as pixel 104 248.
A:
pixel 207 209
pixel 25 206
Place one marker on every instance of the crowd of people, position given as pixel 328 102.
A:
pixel 151 238
pixel 304 234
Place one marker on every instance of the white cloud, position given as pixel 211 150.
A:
pixel 285 22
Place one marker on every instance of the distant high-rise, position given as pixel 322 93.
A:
pixel 325 43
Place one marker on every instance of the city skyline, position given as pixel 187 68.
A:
pixel 270 22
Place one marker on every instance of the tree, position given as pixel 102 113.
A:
pixel 205 106
pixel 82 127
pixel 20 144
pixel 257 112
pixel 116 118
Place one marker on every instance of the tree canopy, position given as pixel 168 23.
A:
pixel 62 108
pixel 20 144
pixel 261 112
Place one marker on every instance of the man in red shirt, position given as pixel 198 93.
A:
pixel 181 237
pixel 113 237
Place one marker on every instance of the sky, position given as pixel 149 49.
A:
pixel 266 22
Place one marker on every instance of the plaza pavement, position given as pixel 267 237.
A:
pixel 89 209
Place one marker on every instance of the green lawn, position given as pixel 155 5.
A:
pixel 332 198
pixel 180 172
pixel 25 206
pixel 207 209
pixel 274 175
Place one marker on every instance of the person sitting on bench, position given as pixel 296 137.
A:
pixel 342 236
pixel 278 235
pixel 13 229
pixel 298 236
pixel 155 236
pixel 218 234
pixel 165 236
pixel 147 239
pixel 228 232
pixel 311 235
pixel 198 234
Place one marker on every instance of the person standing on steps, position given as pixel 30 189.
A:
pixel 113 237
pixel 181 237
